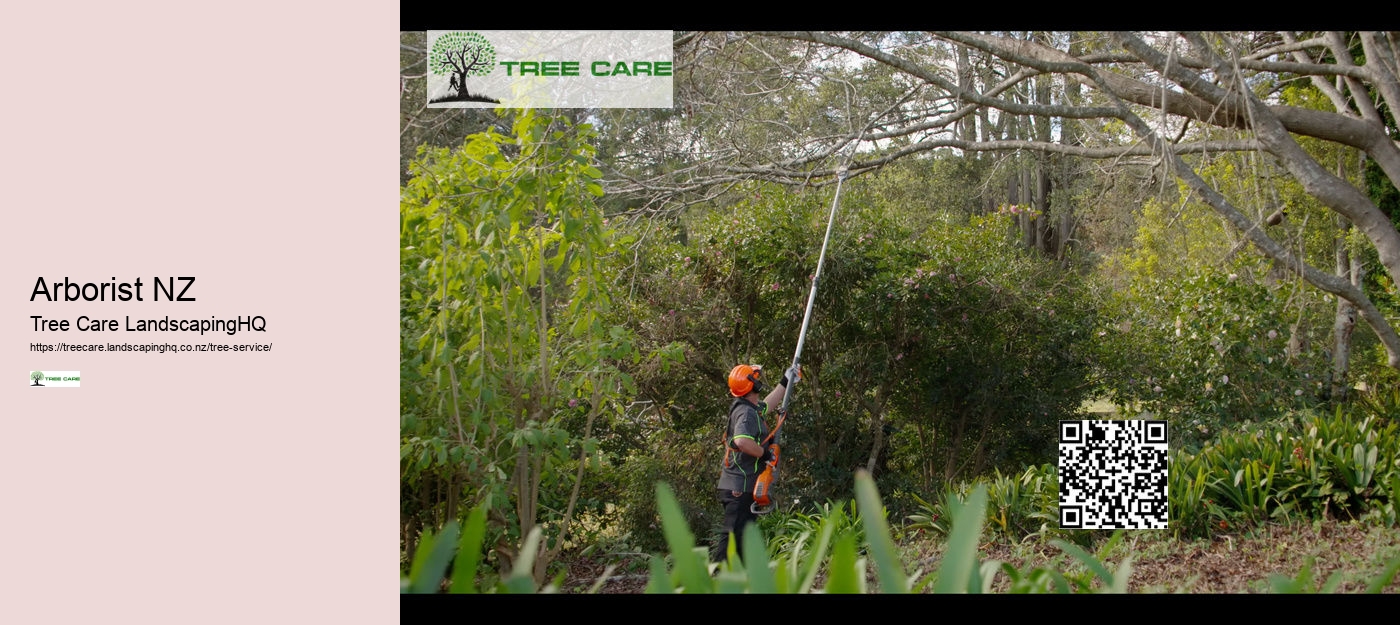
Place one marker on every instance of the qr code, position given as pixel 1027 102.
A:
pixel 1113 474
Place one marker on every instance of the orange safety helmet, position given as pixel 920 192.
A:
pixel 742 379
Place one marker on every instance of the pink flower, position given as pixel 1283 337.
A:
pixel 573 403
pixel 1273 334
pixel 776 287
pixel 687 259
pixel 899 357
pixel 838 393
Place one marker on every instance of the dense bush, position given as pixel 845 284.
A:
pixel 508 358
pixel 1205 350
pixel 931 354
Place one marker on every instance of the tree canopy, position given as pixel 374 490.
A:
pixel 792 107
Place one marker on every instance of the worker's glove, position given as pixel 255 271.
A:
pixel 792 375
pixel 767 455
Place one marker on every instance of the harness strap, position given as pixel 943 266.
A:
pixel 729 429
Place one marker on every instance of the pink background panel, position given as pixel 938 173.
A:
pixel 253 146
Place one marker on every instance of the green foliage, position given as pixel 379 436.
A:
pixel 877 532
pixel 923 339
pixel 1190 512
pixel 1342 464
pixel 1303 583
pixel 507 355
pixel 790 530
pixel 1020 506
pixel 932 517
pixel 798 568
pixel 1339 463
pixel 961 571
pixel 435 552
pixel 1024 505
pixel 1112 581
pixel 1199 328
pixel 1379 583
pixel 1205 350
pixel 794 570
pixel 462 51
pixel 664 453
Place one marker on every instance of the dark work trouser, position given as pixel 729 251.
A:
pixel 738 513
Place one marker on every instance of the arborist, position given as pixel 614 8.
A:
pixel 751 452
pixel 748 448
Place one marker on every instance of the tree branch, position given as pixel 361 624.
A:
pixel 1273 135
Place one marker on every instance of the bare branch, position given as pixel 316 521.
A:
pixel 1359 93
pixel 1333 192
pixel 1291 44
pixel 1382 61
pixel 1339 101
pixel 914 69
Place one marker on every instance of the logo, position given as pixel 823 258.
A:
pixel 461 55
pixel 549 69
pixel 54 379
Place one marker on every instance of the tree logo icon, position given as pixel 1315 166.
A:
pixel 36 376
pixel 459 55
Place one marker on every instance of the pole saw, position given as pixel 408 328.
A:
pixel 762 490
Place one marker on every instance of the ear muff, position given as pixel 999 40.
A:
pixel 758 385
pixel 745 379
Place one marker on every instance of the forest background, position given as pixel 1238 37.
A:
pixel 1036 227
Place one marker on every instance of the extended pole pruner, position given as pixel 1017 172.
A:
pixel 762 495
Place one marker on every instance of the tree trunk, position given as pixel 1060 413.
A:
pixel 462 85
pixel 453 486
pixel 877 422
pixel 1044 232
pixel 1027 194
pixel 1069 135
pixel 439 494
pixel 1345 319
pixel 954 443
pixel 878 425
pixel 925 467
pixel 967 128
pixel 410 535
